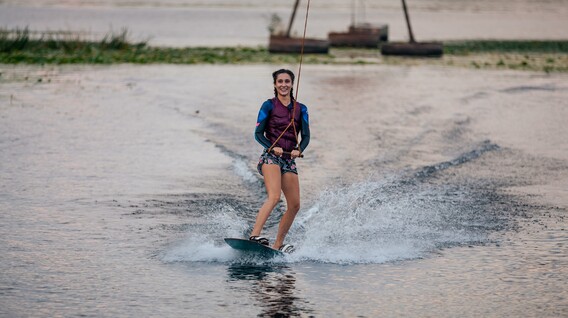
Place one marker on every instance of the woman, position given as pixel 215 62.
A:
pixel 280 120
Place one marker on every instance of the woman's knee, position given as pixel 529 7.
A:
pixel 294 207
pixel 273 199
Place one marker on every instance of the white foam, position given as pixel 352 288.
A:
pixel 203 245
pixel 368 222
pixel 198 251
pixel 241 168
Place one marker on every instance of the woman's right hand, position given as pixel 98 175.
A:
pixel 278 151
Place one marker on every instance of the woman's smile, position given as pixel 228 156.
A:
pixel 283 84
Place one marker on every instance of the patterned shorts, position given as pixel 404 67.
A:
pixel 286 165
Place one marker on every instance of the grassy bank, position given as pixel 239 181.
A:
pixel 20 46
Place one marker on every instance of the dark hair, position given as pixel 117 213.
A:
pixel 280 71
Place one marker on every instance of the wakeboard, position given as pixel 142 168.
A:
pixel 251 247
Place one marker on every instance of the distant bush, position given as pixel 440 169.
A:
pixel 24 40
pixel 502 46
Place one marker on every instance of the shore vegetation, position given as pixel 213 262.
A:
pixel 21 46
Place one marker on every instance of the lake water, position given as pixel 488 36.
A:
pixel 197 22
pixel 426 192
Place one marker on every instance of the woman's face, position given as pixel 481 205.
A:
pixel 283 84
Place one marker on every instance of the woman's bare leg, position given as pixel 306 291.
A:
pixel 272 182
pixel 291 189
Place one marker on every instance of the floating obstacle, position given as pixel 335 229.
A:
pixel 412 48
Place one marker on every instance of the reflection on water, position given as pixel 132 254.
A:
pixel 271 286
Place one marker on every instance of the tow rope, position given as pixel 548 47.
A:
pixel 292 121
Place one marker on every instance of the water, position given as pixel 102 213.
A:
pixel 425 192
pixel 245 23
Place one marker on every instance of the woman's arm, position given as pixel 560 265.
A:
pixel 305 132
pixel 261 121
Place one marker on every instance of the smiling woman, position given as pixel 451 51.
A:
pixel 279 121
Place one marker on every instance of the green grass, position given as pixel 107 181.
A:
pixel 22 46
pixel 501 46
pixel 19 46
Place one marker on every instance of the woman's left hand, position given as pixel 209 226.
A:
pixel 294 154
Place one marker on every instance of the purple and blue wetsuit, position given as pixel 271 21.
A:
pixel 274 117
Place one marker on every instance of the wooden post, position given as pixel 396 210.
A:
pixel 292 18
pixel 408 22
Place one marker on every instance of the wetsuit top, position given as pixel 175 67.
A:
pixel 274 117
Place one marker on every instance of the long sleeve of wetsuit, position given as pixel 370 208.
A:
pixel 261 122
pixel 305 131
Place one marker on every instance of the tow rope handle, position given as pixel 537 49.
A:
pixel 287 152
